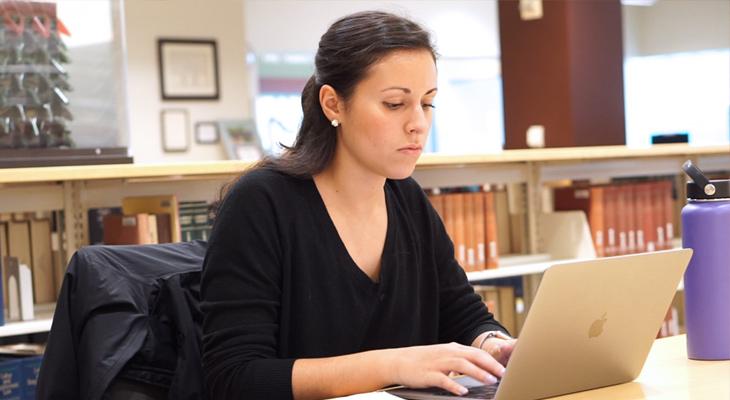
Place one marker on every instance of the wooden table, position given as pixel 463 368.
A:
pixel 667 374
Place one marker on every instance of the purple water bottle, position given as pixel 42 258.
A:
pixel 706 229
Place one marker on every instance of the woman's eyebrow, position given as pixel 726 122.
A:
pixel 406 90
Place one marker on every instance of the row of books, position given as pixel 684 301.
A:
pixel 624 218
pixel 502 302
pixel 30 252
pixel 479 224
pixel 674 321
pixel 149 220
pixel 19 367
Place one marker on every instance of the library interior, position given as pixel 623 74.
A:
pixel 565 133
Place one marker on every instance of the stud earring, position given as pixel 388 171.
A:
pixel 335 123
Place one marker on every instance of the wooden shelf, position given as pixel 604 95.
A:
pixel 572 154
pixel 42 322
pixel 169 171
pixel 427 161
pixel 522 269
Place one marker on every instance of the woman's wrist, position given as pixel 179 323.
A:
pixel 490 335
pixel 385 362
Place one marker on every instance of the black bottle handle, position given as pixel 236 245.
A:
pixel 698 177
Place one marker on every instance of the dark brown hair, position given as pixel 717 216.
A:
pixel 346 52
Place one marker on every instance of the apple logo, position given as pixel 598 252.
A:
pixel 597 327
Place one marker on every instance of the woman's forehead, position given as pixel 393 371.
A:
pixel 413 70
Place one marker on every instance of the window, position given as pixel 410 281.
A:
pixel 680 92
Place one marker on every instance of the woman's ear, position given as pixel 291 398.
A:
pixel 330 102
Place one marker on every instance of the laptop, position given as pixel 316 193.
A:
pixel 592 324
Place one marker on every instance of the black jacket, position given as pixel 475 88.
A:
pixel 126 311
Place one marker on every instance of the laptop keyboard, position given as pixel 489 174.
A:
pixel 485 392
pixel 482 392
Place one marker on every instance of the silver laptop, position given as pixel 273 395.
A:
pixel 591 325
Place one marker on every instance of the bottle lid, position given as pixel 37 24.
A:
pixel 701 188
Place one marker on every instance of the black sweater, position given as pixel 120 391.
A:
pixel 278 284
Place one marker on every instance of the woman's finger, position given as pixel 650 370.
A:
pixel 444 382
pixel 466 367
pixel 484 361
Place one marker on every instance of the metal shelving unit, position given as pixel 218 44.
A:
pixel 76 189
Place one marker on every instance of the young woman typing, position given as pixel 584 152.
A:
pixel 328 272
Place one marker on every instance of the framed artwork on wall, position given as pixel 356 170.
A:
pixel 206 132
pixel 174 130
pixel 241 140
pixel 188 69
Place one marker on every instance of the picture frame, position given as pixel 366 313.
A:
pixel 241 140
pixel 206 132
pixel 175 130
pixel 188 69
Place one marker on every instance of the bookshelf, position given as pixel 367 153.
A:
pixel 42 323
pixel 75 189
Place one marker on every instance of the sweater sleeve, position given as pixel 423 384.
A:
pixel 241 289
pixel 462 314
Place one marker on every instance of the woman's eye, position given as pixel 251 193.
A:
pixel 393 106
pixel 428 105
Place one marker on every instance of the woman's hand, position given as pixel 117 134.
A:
pixel 429 366
pixel 500 349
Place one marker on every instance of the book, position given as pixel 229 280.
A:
pixel 195 223
pixel 632 219
pixel 164 234
pixel 624 219
pixel 647 234
pixel 152 228
pixel 588 199
pixel 492 233
pixel 19 366
pixel 448 218
pixel 610 218
pixel 480 230
pixel 127 229
pixel 502 212
pixel 44 287
pixel 20 290
pixel 596 221
pixel 96 222
pixel 669 209
pixel 469 233
pixel 58 251
pixel 163 204
pixel 18 242
pixel 660 223
pixel 3 254
pixel 459 229
pixel 507 313
pixel 490 297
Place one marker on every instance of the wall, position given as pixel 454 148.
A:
pixel 671 26
pixel 460 28
pixel 144 22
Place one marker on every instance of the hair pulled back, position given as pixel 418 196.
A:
pixel 346 52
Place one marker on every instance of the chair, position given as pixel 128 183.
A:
pixel 127 325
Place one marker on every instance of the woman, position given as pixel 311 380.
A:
pixel 328 273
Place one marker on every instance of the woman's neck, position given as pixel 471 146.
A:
pixel 351 184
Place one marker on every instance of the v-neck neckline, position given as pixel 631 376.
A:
pixel 357 272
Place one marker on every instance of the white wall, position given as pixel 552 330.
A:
pixel 672 26
pixel 460 28
pixel 145 22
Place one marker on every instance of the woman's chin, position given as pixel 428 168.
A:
pixel 401 173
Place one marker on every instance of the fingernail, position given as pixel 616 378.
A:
pixel 490 379
pixel 463 391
